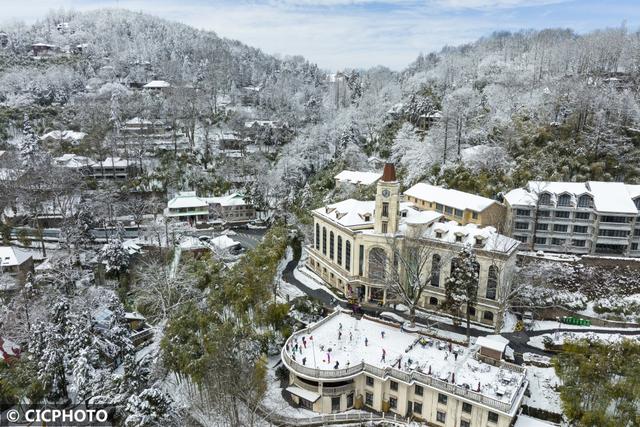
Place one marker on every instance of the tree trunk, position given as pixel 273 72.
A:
pixel 468 323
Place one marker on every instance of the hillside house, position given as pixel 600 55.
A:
pixel 357 178
pixel 43 49
pixel 56 138
pixel 15 264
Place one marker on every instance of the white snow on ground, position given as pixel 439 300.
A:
pixel 509 322
pixel 558 338
pixel 273 399
pixel 343 341
pixel 542 382
pixel 551 325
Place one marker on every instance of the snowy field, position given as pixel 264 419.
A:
pixel 549 325
pixel 542 384
pixel 559 338
pixel 344 341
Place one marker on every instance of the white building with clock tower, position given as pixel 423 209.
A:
pixel 354 244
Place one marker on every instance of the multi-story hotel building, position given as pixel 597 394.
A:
pixel 342 363
pixel 598 218
pixel 355 243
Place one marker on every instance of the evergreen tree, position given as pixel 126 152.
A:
pixel 461 287
pixel 29 143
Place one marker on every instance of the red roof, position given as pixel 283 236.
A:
pixel 9 350
pixel 389 173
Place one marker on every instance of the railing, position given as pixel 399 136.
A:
pixel 330 418
pixel 333 391
pixel 407 377
pixel 305 386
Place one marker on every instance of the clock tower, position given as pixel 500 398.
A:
pixel 387 201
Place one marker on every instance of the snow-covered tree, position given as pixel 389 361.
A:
pixel 461 287
pixel 152 407
pixel 115 256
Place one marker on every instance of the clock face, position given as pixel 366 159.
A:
pixel 385 193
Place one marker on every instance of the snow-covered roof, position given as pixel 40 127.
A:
pixel 134 315
pixel 357 177
pixel 138 121
pixel 223 242
pixel 470 235
pixel 111 162
pixel 73 161
pixel 525 421
pixel 448 197
pixel 350 212
pixel 157 84
pixel 11 257
pixel 187 199
pixel 64 135
pixel 493 342
pixel 403 353
pixel 610 197
pixel 234 199
pixel 308 395
pixel 633 190
pixel 252 123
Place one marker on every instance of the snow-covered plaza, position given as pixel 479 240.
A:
pixel 343 342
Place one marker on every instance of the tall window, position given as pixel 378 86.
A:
pixel 347 256
pixel 585 201
pixel 361 260
pixel 339 250
pixel 435 270
pixel 385 227
pixel 324 240
pixel 545 199
pixel 317 236
pixel 377 263
pixel 385 209
pixel 492 282
pixel 564 200
pixel 331 243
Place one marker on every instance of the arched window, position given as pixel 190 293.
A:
pixel 435 270
pixel 545 199
pixel 347 256
pixel 492 282
pixel 564 200
pixel 488 316
pixel 377 263
pixel 433 301
pixel 317 237
pixel 339 250
pixel 324 240
pixel 585 201
pixel 331 243
pixel 637 202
